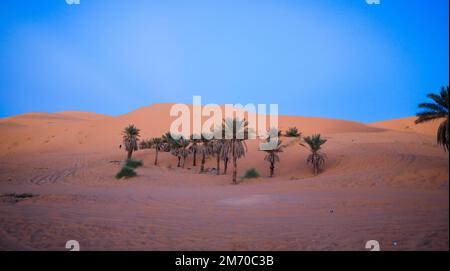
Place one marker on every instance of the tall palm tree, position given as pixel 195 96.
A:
pixel 316 158
pixel 184 149
pixel 272 148
pixel 438 109
pixel 217 149
pixel 235 147
pixel 226 158
pixel 158 145
pixel 130 135
pixel 205 149
pixel 175 151
pixel 167 141
pixel 173 146
pixel 194 148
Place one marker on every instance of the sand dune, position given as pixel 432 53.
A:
pixel 78 131
pixel 48 119
pixel 408 125
pixel 382 181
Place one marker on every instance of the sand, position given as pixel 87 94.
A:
pixel 382 181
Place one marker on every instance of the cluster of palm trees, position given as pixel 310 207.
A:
pixel 231 146
pixel 314 143
pixel 206 145
pixel 227 147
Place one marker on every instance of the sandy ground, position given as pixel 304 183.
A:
pixel 383 181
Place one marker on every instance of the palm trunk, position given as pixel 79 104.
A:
pixel 234 165
pixel 156 157
pixel 179 161
pixel 235 170
pixel 202 167
pixel 272 167
pixel 130 152
pixel 225 165
pixel 315 164
pixel 184 161
pixel 195 159
pixel 218 163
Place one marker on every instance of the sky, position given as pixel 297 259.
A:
pixel 341 59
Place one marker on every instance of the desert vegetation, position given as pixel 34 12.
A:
pixel 15 197
pixel 292 132
pixel 316 158
pixel 130 136
pixel 437 110
pixel 128 169
pixel 272 148
pixel 251 173
pixel 235 147
pixel 230 146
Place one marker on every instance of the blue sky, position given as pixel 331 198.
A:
pixel 330 58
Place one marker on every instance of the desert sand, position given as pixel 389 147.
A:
pixel 385 181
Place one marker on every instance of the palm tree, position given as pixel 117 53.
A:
pixel 184 149
pixel 236 131
pixel 158 145
pixel 225 157
pixel 172 145
pixel 167 141
pixel 217 149
pixel 194 148
pixel 205 149
pixel 316 158
pixel 272 148
pixel 130 135
pixel 438 109
pixel 145 144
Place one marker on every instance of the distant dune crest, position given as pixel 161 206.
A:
pixel 80 131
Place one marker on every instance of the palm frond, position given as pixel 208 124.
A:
pixel 130 135
pixel 438 99
pixel 426 116
pixel 314 142
pixel 433 107
pixel 437 110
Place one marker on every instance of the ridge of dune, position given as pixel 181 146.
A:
pixel 44 118
pixel 408 125
pixel 76 131
pixel 306 124
pixel 83 115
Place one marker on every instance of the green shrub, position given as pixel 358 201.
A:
pixel 19 196
pixel 133 163
pixel 126 172
pixel 292 132
pixel 14 198
pixel 251 173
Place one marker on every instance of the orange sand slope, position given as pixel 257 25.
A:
pixel 381 182
pixel 90 130
pixel 409 125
